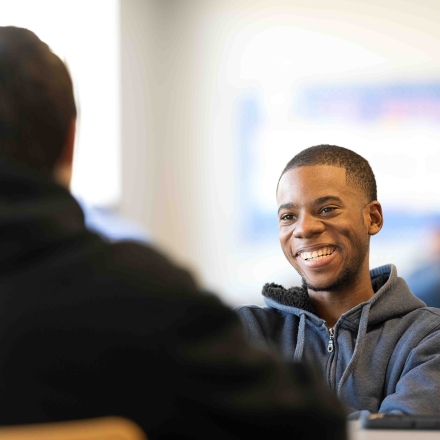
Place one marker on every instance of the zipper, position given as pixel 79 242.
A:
pixel 330 345
pixel 330 350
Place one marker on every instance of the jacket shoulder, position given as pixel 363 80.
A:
pixel 143 267
pixel 255 311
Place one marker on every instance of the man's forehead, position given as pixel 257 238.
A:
pixel 313 182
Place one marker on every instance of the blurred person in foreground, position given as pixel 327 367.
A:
pixel 92 328
pixel 375 343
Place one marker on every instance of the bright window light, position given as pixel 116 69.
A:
pixel 85 34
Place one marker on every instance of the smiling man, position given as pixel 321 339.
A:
pixel 376 344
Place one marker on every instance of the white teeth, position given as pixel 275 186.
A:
pixel 323 252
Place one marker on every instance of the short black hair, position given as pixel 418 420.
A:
pixel 358 170
pixel 37 104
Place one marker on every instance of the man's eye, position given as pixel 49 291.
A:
pixel 327 209
pixel 287 217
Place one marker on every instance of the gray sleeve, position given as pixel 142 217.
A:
pixel 418 389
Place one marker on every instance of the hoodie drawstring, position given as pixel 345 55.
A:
pixel 300 338
pixel 358 348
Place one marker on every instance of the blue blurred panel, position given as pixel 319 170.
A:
pixel 397 223
pixel 368 103
pixel 249 119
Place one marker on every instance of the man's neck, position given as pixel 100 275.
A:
pixel 63 176
pixel 330 305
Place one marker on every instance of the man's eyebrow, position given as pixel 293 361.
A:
pixel 286 206
pixel 326 199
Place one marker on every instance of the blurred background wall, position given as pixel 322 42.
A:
pixel 191 108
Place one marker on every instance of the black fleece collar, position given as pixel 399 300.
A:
pixel 294 297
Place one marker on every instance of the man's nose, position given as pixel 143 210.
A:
pixel 308 225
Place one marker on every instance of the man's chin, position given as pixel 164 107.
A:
pixel 327 283
pixel 325 286
pixel 321 288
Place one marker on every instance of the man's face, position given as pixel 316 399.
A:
pixel 324 226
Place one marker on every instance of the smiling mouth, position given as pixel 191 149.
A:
pixel 315 255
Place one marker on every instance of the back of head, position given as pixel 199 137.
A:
pixel 37 105
pixel 358 170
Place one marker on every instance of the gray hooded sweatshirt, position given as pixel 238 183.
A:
pixel 382 356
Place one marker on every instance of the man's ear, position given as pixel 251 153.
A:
pixel 373 217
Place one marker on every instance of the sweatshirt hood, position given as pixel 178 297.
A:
pixel 392 297
pixel 35 214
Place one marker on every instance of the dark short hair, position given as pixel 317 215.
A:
pixel 37 104
pixel 358 170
